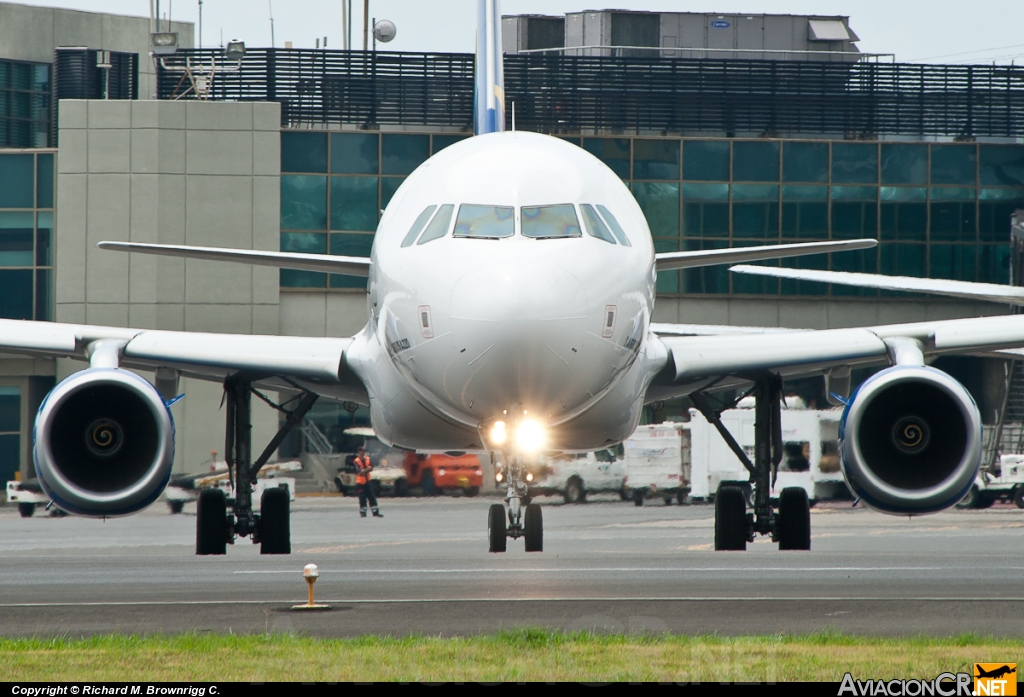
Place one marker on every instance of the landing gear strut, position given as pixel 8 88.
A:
pixel 215 526
pixel 790 526
pixel 525 519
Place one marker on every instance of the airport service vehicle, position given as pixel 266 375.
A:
pixel 1003 482
pixel 810 448
pixel 574 475
pixel 658 463
pixel 27 495
pixel 437 473
pixel 387 476
pixel 511 286
pixel 185 488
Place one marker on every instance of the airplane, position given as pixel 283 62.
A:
pixel 511 288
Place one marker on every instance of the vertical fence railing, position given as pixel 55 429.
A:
pixel 557 93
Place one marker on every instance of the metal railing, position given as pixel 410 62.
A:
pixel 559 94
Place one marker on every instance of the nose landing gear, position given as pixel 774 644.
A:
pixel 524 518
pixel 790 526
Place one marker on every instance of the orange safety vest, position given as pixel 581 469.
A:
pixel 363 468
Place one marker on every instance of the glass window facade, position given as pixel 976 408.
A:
pixel 334 187
pixel 24 104
pixel 26 235
pixel 937 209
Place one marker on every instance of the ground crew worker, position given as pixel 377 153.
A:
pixel 363 486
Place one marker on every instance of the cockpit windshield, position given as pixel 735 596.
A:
pixel 439 225
pixel 620 234
pixel 417 226
pixel 596 226
pixel 485 221
pixel 550 221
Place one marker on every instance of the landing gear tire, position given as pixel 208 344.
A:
pixel 211 522
pixel 401 488
pixel 496 527
pixel 730 519
pixel 624 494
pixel 427 483
pixel 638 497
pixel 1018 496
pixel 794 520
pixel 340 487
pixel 25 510
pixel 534 528
pixel 574 492
pixel 681 497
pixel 668 500
pixel 275 527
pixel 176 506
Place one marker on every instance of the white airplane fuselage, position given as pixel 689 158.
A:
pixel 464 331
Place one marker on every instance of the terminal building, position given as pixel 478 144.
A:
pixel 729 130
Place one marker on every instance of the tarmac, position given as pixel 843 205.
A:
pixel 424 569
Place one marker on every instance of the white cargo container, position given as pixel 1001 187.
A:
pixel 658 463
pixel 810 445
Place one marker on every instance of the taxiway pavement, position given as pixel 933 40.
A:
pixel 424 568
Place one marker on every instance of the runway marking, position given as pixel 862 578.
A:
pixel 547 599
pixel 619 569
pixel 363 545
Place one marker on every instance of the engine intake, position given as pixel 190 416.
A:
pixel 911 441
pixel 104 443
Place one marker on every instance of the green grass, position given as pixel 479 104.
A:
pixel 522 654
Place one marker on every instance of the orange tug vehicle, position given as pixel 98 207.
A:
pixel 442 472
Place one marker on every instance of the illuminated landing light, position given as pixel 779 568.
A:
pixel 530 436
pixel 529 476
pixel 498 477
pixel 498 433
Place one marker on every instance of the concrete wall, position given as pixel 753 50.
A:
pixel 199 173
pixel 30 33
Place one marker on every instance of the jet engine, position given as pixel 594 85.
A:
pixel 910 440
pixel 104 443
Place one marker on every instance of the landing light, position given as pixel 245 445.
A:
pixel 498 433
pixel 529 436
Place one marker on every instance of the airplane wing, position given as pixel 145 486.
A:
pixel 351 266
pixel 958 289
pixel 701 359
pixel 313 363
pixel 670 261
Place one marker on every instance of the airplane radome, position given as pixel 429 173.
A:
pixel 527 300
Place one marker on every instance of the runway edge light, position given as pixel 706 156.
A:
pixel 311 573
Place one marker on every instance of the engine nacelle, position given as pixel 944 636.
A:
pixel 910 440
pixel 104 443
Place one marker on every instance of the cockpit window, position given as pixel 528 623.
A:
pixel 620 234
pixel 596 226
pixel 417 226
pixel 439 225
pixel 485 221
pixel 550 221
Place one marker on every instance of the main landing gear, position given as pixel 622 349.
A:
pixel 790 526
pixel 215 526
pixel 524 518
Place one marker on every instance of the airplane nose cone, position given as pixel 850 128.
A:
pixel 521 337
